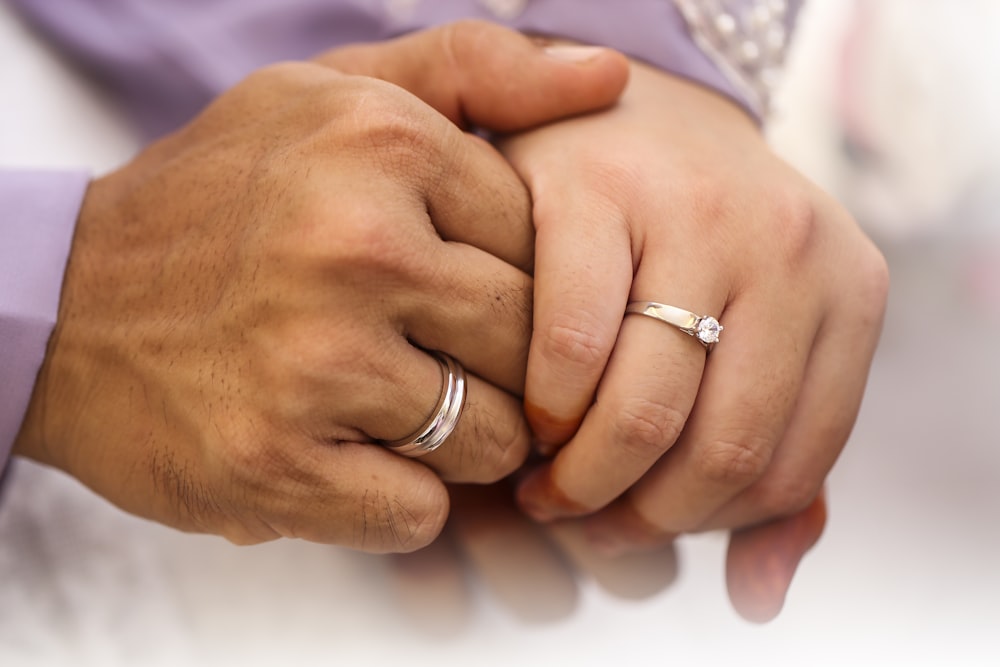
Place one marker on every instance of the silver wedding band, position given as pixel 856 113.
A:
pixel 704 328
pixel 444 417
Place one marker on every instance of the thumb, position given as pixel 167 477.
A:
pixel 487 75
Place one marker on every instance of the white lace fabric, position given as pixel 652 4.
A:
pixel 747 41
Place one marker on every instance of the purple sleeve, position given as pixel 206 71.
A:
pixel 38 213
pixel 653 31
pixel 166 59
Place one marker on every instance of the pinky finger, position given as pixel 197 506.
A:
pixel 762 560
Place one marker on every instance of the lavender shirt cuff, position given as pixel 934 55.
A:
pixel 166 59
pixel 38 213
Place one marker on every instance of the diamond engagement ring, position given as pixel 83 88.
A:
pixel 706 329
pixel 444 417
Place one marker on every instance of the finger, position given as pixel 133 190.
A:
pixel 747 395
pixel 475 308
pixel 762 560
pixel 345 493
pixel 819 429
pixel 581 288
pixel 634 576
pixel 490 440
pixel 477 199
pixel 642 404
pixel 470 193
pixel 490 75
pixel 511 555
pixel 431 589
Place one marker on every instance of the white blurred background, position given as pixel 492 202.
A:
pixel 893 106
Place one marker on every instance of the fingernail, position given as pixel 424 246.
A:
pixel 572 53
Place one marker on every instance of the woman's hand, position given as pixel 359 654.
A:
pixel 673 196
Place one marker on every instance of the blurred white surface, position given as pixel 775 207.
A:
pixel 907 572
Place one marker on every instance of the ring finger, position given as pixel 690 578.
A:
pixel 642 404
pixel 747 396
pixel 489 439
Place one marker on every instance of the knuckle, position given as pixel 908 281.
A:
pixel 786 496
pixel 617 180
pixel 609 185
pixel 390 131
pixel 361 117
pixel 737 460
pixel 646 429
pixel 868 279
pixel 708 196
pixel 361 239
pixel 874 274
pixel 576 339
pixel 796 221
pixel 508 452
pixel 491 449
pixel 387 523
pixel 364 237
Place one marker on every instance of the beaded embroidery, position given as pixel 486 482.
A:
pixel 746 40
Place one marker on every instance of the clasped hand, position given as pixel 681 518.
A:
pixel 249 305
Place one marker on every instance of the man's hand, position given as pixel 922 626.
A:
pixel 672 196
pixel 249 304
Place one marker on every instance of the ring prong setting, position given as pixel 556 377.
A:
pixel 707 330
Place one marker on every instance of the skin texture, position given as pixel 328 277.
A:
pixel 247 304
pixel 673 196
pixel 245 299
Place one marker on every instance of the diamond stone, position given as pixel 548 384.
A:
pixel 708 330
